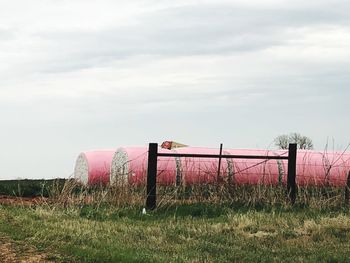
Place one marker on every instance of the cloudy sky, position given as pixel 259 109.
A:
pixel 87 74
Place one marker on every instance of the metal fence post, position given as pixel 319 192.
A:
pixel 292 163
pixel 219 166
pixel 347 190
pixel 151 201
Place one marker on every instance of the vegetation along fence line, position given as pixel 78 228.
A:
pixel 151 200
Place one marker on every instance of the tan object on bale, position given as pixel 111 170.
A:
pixel 172 145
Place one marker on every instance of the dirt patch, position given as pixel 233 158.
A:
pixel 12 252
pixel 22 201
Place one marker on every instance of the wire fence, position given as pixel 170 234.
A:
pixel 197 177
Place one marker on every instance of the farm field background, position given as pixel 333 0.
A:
pixel 30 188
pixel 60 231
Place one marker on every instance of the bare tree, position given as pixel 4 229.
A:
pixel 303 142
pixel 282 141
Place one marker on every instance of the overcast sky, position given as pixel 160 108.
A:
pixel 81 74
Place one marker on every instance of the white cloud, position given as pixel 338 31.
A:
pixel 87 74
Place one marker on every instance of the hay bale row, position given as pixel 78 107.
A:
pixel 128 165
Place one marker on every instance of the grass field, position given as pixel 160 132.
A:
pixel 179 232
pixel 189 233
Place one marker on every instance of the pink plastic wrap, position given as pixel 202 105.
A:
pixel 255 171
pixel 194 170
pixel 321 168
pixel 93 167
pixel 130 165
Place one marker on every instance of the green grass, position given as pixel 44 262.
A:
pixel 200 224
pixel 185 233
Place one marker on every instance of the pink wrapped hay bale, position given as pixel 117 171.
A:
pixel 129 165
pixel 93 167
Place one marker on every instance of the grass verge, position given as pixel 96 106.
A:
pixel 186 233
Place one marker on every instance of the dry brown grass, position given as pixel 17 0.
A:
pixel 122 195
